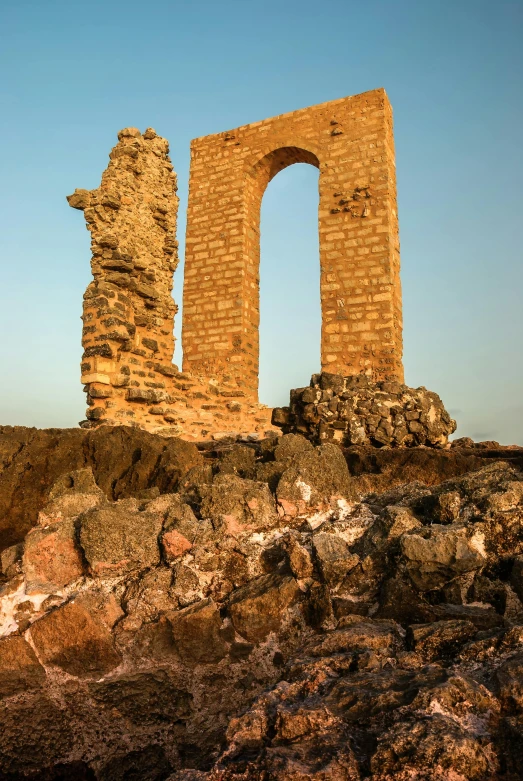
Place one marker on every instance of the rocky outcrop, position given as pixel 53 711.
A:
pixel 124 461
pixel 357 411
pixel 127 461
pixel 254 614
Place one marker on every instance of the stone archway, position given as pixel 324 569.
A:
pixel 350 141
pixel 258 178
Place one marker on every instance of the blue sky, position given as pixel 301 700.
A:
pixel 73 74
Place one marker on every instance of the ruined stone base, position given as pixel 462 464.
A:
pixel 180 404
pixel 356 411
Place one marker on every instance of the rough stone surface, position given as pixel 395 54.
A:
pixel 374 631
pixel 20 669
pixel 124 462
pixel 128 310
pixel 76 638
pixel 120 537
pixel 355 410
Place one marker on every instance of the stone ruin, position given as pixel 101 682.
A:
pixel 357 411
pixel 128 312
pixel 279 608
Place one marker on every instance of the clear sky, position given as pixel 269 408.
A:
pixel 72 74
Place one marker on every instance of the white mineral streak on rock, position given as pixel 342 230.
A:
pixel 477 542
pixel 304 489
pixel 9 603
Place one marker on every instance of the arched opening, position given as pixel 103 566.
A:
pixel 290 306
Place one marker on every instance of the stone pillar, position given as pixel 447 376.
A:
pixel 128 311
pixel 351 142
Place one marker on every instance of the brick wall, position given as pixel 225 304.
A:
pixel 351 142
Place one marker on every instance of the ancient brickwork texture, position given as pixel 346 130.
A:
pixel 351 142
pixel 356 411
pixel 128 311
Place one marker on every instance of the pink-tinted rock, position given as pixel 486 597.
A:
pixel 52 557
pixel 174 545
pixel 76 637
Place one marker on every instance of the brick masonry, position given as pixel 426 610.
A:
pixel 128 311
pixel 351 142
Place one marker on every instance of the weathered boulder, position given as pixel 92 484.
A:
pixel 333 556
pixel 77 636
pixel 314 478
pixel 259 608
pixel 125 461
pixel 120 537
pixel 196 632
pixel 235 504
pixel 440 553
pixel 52 557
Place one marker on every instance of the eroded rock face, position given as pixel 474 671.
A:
pixel 357 411
pixel 221 625
pixel 121 461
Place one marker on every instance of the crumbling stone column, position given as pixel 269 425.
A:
pixel 128 311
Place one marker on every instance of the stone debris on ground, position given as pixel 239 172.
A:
pixel 359 411
pixel 273 609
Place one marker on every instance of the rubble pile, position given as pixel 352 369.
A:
pixel 357 411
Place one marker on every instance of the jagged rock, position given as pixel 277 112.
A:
pixel 259 608
pixel 510 679
pixel 440 637
pixel 376 637
pixel 238 461
pixel 149 596
pixel 77 637
pixel 20 670
pixel 119 538
pixel 174 545
pixel 314 477
pixel 52 557
pixel 333 556
pixel 442 553
pixel 196 632
pixel 235 504
pixel 124 462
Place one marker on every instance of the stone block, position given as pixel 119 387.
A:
pixel 119 538
pixel 77 638
pixel 196 633
pixel 20 669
